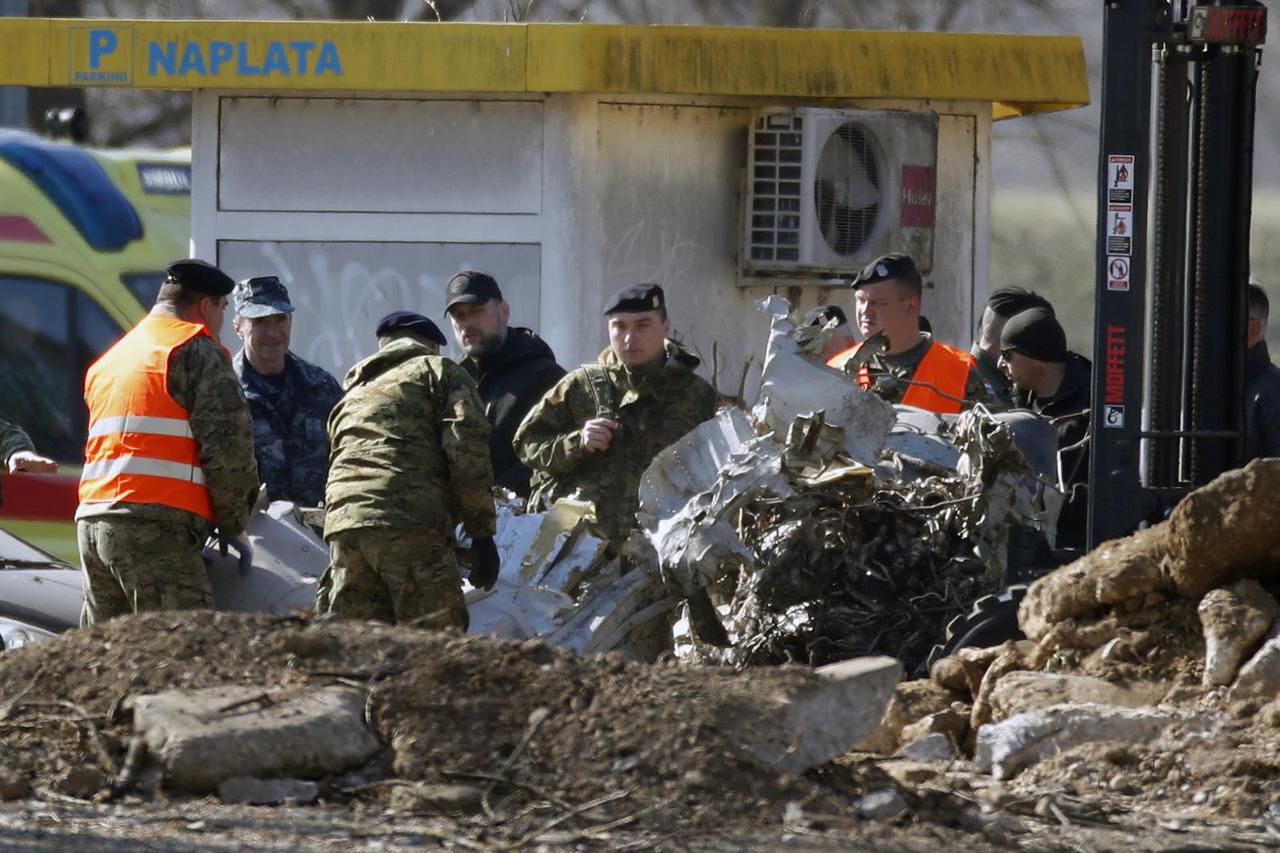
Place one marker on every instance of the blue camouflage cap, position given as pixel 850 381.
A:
pixel 262 296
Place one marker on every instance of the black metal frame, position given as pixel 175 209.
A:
pixel 1168 389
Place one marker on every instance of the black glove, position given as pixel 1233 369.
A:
pixel 484 563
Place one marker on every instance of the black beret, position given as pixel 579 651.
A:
pixel 885 267
pixel 821 315
pixel 200 276
pixel 409 321
pixel 1007 301
pixel 472 287
pixel 636 298
pixel 1035 333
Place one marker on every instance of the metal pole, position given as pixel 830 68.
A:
pixel 1118 502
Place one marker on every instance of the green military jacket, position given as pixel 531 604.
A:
pixel 655 410
pixel 409 447
pixel 202 382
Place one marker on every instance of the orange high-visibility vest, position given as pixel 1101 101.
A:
pixel 140 447
pixel 944 367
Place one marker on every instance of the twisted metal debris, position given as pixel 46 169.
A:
pixel 820 557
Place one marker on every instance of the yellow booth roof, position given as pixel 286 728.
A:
pixel 1018 74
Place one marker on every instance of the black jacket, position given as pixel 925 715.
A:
pixel 1262 404
pixel 511 381
pixel 1068 408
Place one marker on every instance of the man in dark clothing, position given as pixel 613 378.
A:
pixel 1053 382
pixel 512 367
pixel 289 399
pixel 1262 383
pixel 1001 305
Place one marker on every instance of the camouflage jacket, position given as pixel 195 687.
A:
pixel 902 367
pixel 202 382
pixel 655 409
pixel 289 435
pixel 13 439
pixel 410 447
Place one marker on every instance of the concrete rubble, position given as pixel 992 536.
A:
pixel 799 729
pixel 1010 745
pixel 1149 668
pixel 1234 619
pixel 201 738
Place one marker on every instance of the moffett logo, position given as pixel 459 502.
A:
pixel 100 56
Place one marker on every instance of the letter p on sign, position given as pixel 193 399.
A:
pixel 101 43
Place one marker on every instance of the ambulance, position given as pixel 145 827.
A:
pixel 85 236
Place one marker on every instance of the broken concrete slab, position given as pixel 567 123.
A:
pixel 203 737
pixel 1234 619
pixel 794 731
pixel 1020 692
pixel 1260 677
pixel 267 792
pixel 1006 747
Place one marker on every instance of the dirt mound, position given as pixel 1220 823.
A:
pixel 1226 530
pixel 526 721
pixel 1219 533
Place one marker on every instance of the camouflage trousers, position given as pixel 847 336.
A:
pixel 133 565
pixel 397 576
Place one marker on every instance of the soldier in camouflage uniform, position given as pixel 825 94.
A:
pixel 596 430
pixel 289 399
pixel 19 454
pixel 410 460
pixel 896 360
pixel 140 553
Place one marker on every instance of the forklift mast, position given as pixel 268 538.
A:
pixel 1175 169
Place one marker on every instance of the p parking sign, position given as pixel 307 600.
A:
pixel 100 56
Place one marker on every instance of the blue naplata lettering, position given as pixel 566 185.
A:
pixel 280 59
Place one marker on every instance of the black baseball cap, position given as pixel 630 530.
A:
pixel 635 299
pixel 410 321
pixel 472 287
pixel 200 276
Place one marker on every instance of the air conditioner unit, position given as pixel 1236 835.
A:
pixel 829 190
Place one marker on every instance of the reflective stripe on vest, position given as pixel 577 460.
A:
pixel 140 447
pixel 943 366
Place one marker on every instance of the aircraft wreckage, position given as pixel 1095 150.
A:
pixel 825 524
